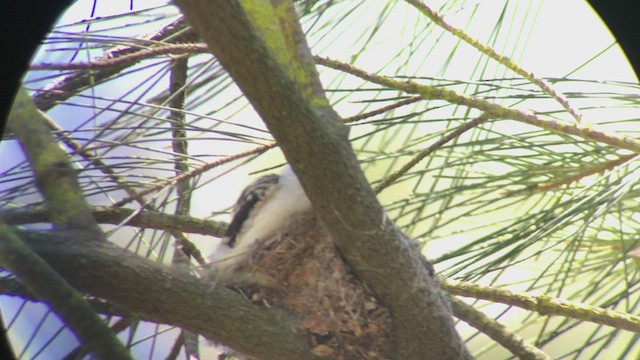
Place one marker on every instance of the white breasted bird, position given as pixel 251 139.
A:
pixel 263 207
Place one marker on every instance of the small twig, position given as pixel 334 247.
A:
pixel 546 305
pixel 69 85
pixel 502 59
pixel 194 172
pixel 89 156
pixel 175 349
pixel 496 331
pixel 599 168
pixel 177 97
pixel 126 59
pixel 177 90
pixel 587 132
pixel 383 109
pixel 443 140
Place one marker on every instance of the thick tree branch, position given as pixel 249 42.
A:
pixel 70 305
pixel 164 295
pixel 54 176
pixel 264 50
pixel 56 181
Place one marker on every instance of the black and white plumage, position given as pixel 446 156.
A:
pixel 263 207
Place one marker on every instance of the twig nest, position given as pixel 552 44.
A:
pixel 301 271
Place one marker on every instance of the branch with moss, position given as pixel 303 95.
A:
pixel 67 208
pixel 185 244
pixel 89 156
pixel 546 305
pixel 54 176
pixel 587 132
pixel 496 331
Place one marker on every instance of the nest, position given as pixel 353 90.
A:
pixel 301 271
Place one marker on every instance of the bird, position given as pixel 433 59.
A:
pixel 264 206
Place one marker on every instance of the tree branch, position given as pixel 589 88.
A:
pixel 54 176
pixel 492 53
pixel 128 217
pixel 178 91
pixel 70 306
pixel 71 84
pixel 126 59
pixel 11 286
pixel 264 50
pixel 546 305
pixel 191 173
pixel 496 331
pixel 164 295
pixel 494 110
pixel 428 151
